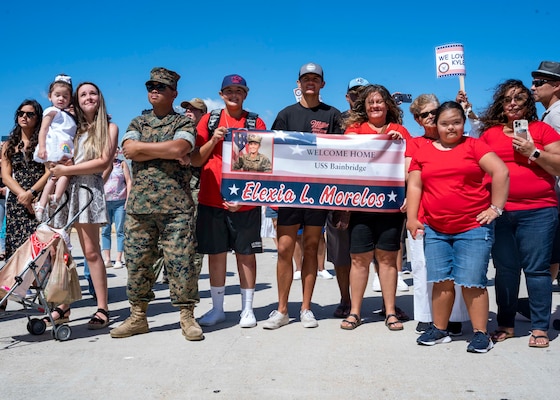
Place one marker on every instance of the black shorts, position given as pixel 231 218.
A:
pixel 370 231
pixel 219 231
pixel 301 216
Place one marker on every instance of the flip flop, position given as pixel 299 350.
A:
pixel 533 341
pixel 351 324
pixel 500 335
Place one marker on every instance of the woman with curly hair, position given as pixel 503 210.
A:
pixel 374 234
pixel 525 231
pixel 24 177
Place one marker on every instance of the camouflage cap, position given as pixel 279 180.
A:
pixel 251 137
pixel 162 75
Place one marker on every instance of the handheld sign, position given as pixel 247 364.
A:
pixel 450 61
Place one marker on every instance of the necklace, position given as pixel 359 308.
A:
pixel 380 132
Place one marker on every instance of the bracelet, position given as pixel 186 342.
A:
pixel 497 210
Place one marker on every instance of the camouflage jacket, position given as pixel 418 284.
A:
pixel 259 164
pixel 160 186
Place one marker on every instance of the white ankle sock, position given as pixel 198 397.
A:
pixel 247 299
pixel 217 293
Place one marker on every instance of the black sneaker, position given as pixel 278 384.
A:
pixel 455 328
pixel 422 327
pixel 433 336
pixel 480 343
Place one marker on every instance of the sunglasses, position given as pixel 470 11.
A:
pixel 540 82
pixel 160 87
pixel 519 100
pixel 29 114
pixel 425 114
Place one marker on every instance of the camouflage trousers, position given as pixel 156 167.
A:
pixel 174 233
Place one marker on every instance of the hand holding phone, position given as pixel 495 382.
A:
pixel 520 128
pixel 402 98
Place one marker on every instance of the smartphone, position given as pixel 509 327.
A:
pixel 520 128
pixel 402 98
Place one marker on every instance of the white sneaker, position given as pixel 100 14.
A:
pixel 248 319
pixel 212 318
pixel 117 265
pixel 276 320
pixel 308 319
pixel 401 284
pixel 324 274
pixel 297 275
pixel 376 285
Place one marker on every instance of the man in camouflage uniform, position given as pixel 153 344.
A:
pixel 160 208
pixel 253 160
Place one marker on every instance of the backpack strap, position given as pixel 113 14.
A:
pixel 213 121
pixel 251 121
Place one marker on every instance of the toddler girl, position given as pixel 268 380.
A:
pixel 56 139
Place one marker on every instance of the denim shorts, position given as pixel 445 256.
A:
pixel 461 257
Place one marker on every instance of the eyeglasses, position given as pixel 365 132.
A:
pixel 29 114
pixel 540 82
pixel 160 87
pixel 425 114
pixel 519 100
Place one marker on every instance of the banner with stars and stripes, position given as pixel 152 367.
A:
pixel 353 172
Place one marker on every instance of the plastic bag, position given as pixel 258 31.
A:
pixel 63 286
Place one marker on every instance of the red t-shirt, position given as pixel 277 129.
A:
pixel 412 147
pixel 530 186
pixel 453 188
pixel 365 129
pixel 211 174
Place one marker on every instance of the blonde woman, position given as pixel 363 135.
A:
pixel 95 145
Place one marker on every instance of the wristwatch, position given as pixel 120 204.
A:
pixel 33 192
pixel 536 154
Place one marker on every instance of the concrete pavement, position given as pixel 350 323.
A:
pixel 289 363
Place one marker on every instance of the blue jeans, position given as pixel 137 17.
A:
pixel 3 225
pixel 524 242
pixel 116 214
pixel 460 257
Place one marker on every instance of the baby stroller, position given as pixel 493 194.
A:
pixel 30 267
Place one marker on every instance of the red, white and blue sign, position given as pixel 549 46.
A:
pixel 353 172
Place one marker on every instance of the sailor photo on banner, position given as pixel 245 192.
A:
pixel 352 172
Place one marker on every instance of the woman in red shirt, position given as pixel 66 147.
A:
pixel 373 233
pixel 525 232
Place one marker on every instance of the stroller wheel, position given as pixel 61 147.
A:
pixel 36 326
pixel 61 332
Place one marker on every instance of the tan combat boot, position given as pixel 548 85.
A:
pixel 136 324
pixel 189 326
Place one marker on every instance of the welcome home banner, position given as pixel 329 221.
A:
pixel 352 172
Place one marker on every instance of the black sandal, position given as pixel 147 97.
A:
pixel 63 316
pixel 97 323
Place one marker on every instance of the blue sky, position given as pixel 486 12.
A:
pixel 115 44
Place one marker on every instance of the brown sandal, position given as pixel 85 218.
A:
pixel 351 325
pixel 391 325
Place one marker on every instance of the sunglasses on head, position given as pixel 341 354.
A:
pixel 540 82
pixel 29 114
pixel 425 114
pixel 160 87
